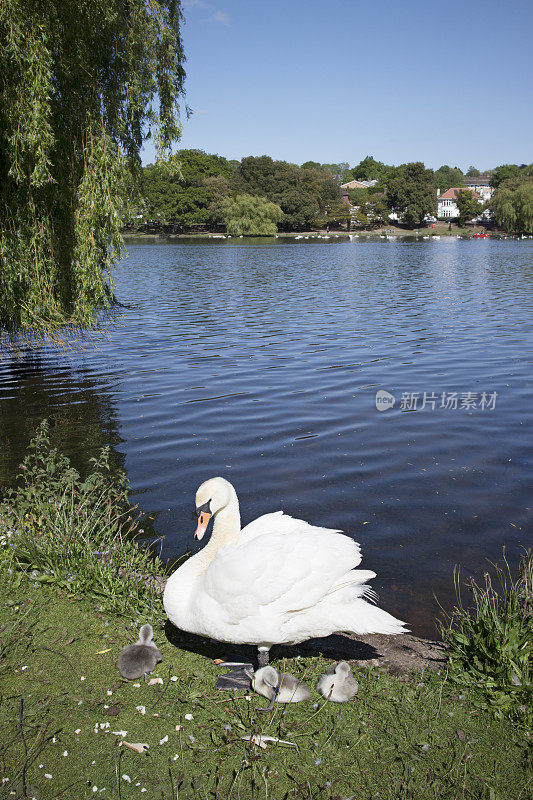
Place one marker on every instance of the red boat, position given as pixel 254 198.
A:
pixel 480 235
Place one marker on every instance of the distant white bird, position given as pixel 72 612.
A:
pixel 279 687
pixel 137 659
pixel 338 684
pixel 279 580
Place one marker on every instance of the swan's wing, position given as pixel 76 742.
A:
pixel 269 523
pixel 281 563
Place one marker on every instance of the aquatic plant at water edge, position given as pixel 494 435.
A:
pixel 77 533
pixel 490 643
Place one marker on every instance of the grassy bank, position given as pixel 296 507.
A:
pixel 74 592
pixel 66 713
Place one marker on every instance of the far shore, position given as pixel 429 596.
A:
pixel 388 231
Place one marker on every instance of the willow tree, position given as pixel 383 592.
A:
pixel 81 86
pixel 248 215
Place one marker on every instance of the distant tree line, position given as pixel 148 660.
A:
pixel 210 192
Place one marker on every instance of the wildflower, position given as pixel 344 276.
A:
pixel 318 761
pixel 189 716
pixel 47 775
pixel 192 739
pixel 142 709
pixel 174 678
pixel 126 778
pixel 164 740
pixel 65 753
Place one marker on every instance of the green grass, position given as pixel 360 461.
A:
pixel 62 693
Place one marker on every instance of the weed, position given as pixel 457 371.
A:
pixel 490 644
pixel 77 533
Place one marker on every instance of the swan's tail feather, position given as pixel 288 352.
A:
pixel 362 618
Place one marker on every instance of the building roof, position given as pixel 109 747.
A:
pixel 451 194
pixel 355 184
pixel 481 180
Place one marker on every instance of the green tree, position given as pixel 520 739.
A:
pixel 468 205
pixel 303 193
pixel 372 210
pixel 371 170
pixel 82 84
pixel 218 188
pixel 503 173
pixel 472 172
pixel 185 200
pixel 247 215
pixel 446 177
pixel 411 193
pixel 512 205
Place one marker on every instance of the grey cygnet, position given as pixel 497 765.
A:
pixel 338 684
pixel 278 686
pixel 137 659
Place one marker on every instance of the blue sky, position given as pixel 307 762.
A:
pixel 445 83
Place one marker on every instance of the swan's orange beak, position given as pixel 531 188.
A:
pixel 203 521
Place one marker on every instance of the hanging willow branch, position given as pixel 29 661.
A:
pixel 81 86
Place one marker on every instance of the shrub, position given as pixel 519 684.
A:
pixel 490 644
pixel 78 533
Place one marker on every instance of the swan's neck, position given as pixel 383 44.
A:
pixel 226 530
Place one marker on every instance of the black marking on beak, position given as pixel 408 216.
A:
pixel 204 509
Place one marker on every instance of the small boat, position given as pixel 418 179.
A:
pixel 480 235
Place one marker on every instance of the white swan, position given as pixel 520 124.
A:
pixel 278 580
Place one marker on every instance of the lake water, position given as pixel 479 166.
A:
pixel 260 360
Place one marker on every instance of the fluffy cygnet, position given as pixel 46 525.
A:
pixel 139 658
pixel 279 686
pixel 338 684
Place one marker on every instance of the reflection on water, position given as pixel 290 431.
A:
pixel 260 361
pixel 81 412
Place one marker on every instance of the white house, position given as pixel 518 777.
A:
pixel 447 207
pixel 480 186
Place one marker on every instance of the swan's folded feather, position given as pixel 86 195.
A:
pixel 308 563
